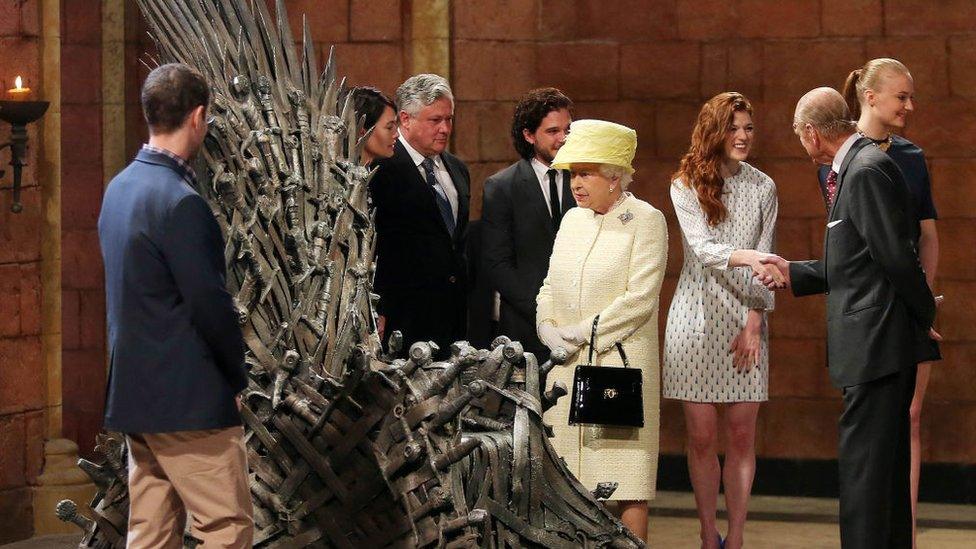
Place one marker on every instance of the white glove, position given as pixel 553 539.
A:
pixel 551 337
pixel 574 334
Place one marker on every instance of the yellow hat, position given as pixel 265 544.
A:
pixel 597 142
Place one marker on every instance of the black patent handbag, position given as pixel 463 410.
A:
pixel 607 395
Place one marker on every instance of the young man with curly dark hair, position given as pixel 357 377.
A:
pixel 521 210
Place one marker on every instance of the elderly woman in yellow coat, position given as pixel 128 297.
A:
pixel 608 259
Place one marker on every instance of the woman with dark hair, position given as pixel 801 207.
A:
pixel 379 113
pixel 880 96
pixel 716 341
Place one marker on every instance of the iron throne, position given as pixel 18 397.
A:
pixel 346 447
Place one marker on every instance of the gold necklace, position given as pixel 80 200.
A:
pixel 883 144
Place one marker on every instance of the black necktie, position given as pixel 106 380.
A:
pixel 439 196
pixel 557 214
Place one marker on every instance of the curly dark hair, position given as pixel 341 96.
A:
pixel 531 109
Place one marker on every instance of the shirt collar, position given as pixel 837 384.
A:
pixel 180 161
pixel 417 158
pixel 842 152
pixel 541 170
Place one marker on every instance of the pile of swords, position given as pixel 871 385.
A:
pixel 346 447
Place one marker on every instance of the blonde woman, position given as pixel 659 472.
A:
pixel 608 259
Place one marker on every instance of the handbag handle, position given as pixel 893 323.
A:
pixel 620 348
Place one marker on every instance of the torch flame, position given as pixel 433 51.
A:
pixel 18 83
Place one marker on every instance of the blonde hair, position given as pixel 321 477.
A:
pixel 869 77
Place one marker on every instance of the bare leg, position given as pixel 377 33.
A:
pixel 921 383
pixel 740 466
pixel 634 516
pixel 701 421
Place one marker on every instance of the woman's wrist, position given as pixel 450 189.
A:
pixel 754 320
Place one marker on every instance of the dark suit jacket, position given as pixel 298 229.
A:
pixel 517 237
pixel 177 356
pixel 421 274
pixel 877 296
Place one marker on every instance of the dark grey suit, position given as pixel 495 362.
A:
pixel 517 237
pixel 877 300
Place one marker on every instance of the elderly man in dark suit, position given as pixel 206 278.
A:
pixel 421 198
pixel 877 299
pixel 521 210
pixel 177 355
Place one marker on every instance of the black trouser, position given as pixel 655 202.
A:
pixel 874 459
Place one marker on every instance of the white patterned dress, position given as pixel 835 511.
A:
pixel 712 301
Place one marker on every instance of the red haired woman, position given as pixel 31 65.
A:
pixel 716 341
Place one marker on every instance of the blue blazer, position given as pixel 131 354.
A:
pixel 177 355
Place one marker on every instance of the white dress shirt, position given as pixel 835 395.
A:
pixel 440 172
pixel 842 152
pixel 542 174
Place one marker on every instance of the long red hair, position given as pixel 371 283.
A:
pixel 700 166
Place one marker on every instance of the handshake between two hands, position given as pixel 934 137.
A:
pixel 771 270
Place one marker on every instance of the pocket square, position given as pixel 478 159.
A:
pixel 833 223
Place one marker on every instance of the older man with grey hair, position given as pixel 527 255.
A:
pixel 421 199
pixel 878 307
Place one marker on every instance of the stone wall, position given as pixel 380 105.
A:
pixel 22 372
pixel 651 64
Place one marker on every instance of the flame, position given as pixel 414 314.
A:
pixel 18 83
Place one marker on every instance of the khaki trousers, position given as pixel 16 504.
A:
pixel 203 473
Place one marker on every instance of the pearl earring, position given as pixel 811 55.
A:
pixel 611 188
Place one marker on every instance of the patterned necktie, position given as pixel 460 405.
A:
pixel 831 188
pixel 439 195
pixel 554 210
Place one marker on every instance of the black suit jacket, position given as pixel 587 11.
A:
pixel 517 237
pixel 177 355
pixel 421 274
pixel 877 296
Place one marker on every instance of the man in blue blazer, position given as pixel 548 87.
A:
pixel 177 355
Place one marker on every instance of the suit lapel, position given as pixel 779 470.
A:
pixel 851 153
pixel 463 194
pixel 526 179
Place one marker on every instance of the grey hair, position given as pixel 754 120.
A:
pixel 825 110
pixel 421 90
pixel 621 173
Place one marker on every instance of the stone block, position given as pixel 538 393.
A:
pixel 956 321
pixel 496 19
pixel 926 58
pixel 70 318
pixel 952 191
pixel 379 65
pixel 951 430
pixel 20 239
pixel 81 137
pixel 798 368
pixel 923 17
pixel 638 115
pixel 794 67
pixel 663 69
pixel 489 70
pixel 81 75
pixel 374 20
pixel 774 136
pixel 576 74
pixel 799 317
pixel 10 300
pixel 956 260
pixel 328 20
pixel 81 197
pixel 92 319
pixel 22 376
pixel 796 187
pixel 800 428
pixel 707 19
pixel 13 440
pixel 480 171
pixel 21 57
pixel 951 378
pixel 21 18
pixel 81 23
pixel 35 433
pixel 945 128
pixel 81 260
pixel 962 66
pixel 851 17
pixel 776 19
pixel 30 299
pixel 16 514
pixel 793 238
pixel 673 122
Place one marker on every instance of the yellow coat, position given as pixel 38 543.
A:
pixel 611 265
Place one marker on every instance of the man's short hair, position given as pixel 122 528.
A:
pixel 169 95
pixel 531 109
pixel 421 90
pixel 825 110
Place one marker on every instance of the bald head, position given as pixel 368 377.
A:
pixel 824 110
